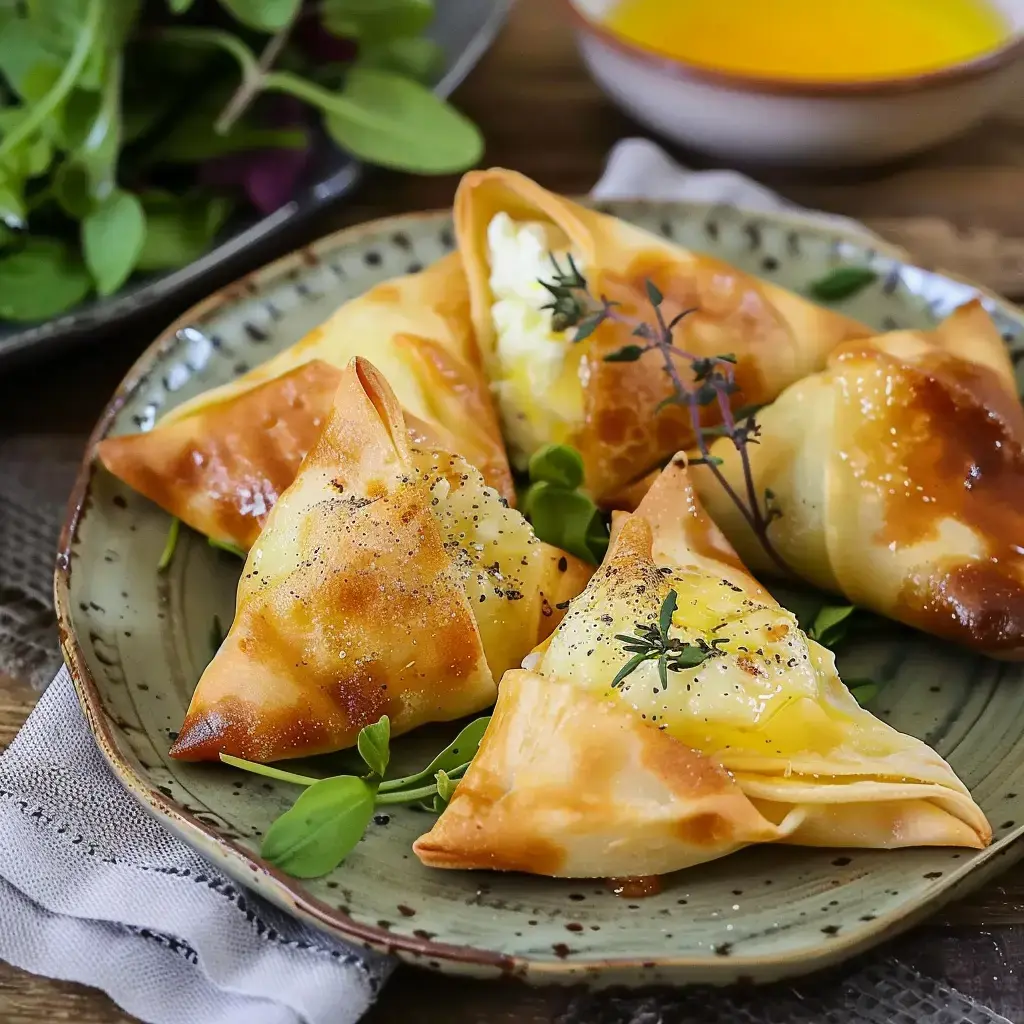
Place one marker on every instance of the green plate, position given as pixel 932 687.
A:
pixel 137 642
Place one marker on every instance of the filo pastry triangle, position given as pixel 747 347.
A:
pixel 221 460
pixel 388 579
pixel 760 742
pixel 898 471
pixel 552 389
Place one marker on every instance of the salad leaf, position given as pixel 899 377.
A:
pixel 27 60
pixel 414 56
pixel 371 21
pixel 395 122
pixel 179 231
pixel 106 131
pixel 41 280
pixel 12 206
pixel 263 15
pixel 112 240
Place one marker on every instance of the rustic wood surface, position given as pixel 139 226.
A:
pixel 960 208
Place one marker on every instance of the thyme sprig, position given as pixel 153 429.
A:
pixel 653 643
pixel 712 383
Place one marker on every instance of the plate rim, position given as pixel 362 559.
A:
pixel 412 949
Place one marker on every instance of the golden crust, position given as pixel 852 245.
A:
pixel 777 336
pixel 899 470
pixel 219 461
pixel 221 470
pixel 355 600
pixel 564 784
pixel 576 778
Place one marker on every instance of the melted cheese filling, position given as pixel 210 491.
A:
pixel 534 378
pixel 766 691
pixel 494 551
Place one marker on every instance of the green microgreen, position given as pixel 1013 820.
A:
pixel 560 511
pixel 326 822
pixel 170 546
pixel 227 546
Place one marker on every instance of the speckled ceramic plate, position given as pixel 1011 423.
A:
pixel 137 642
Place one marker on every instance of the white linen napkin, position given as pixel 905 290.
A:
pixel 94 890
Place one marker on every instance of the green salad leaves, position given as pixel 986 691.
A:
pixel 131 130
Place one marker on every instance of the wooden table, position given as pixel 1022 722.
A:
pixel 961 207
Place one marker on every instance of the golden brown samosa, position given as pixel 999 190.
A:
pixel 388 579
pixel 899 474
pixel 746 735
pixel 219 461
pixel 550 389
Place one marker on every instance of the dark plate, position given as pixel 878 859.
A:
pixel 463 28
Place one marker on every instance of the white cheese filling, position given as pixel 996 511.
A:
pixel 530 355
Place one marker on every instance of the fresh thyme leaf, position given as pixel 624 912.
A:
pixel 586 327
pixel 653 294
pixel 567 288
pixel 626 354
pixel 322 827
pixel 373 745
pixel 558 464
pixel 668 609
pixel 653 643
pixel 634 663
pixel 841 283
pixel 226 545
pixel 167 555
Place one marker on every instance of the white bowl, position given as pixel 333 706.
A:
pixel 752 119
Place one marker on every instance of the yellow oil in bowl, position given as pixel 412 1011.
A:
pixel 819 40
